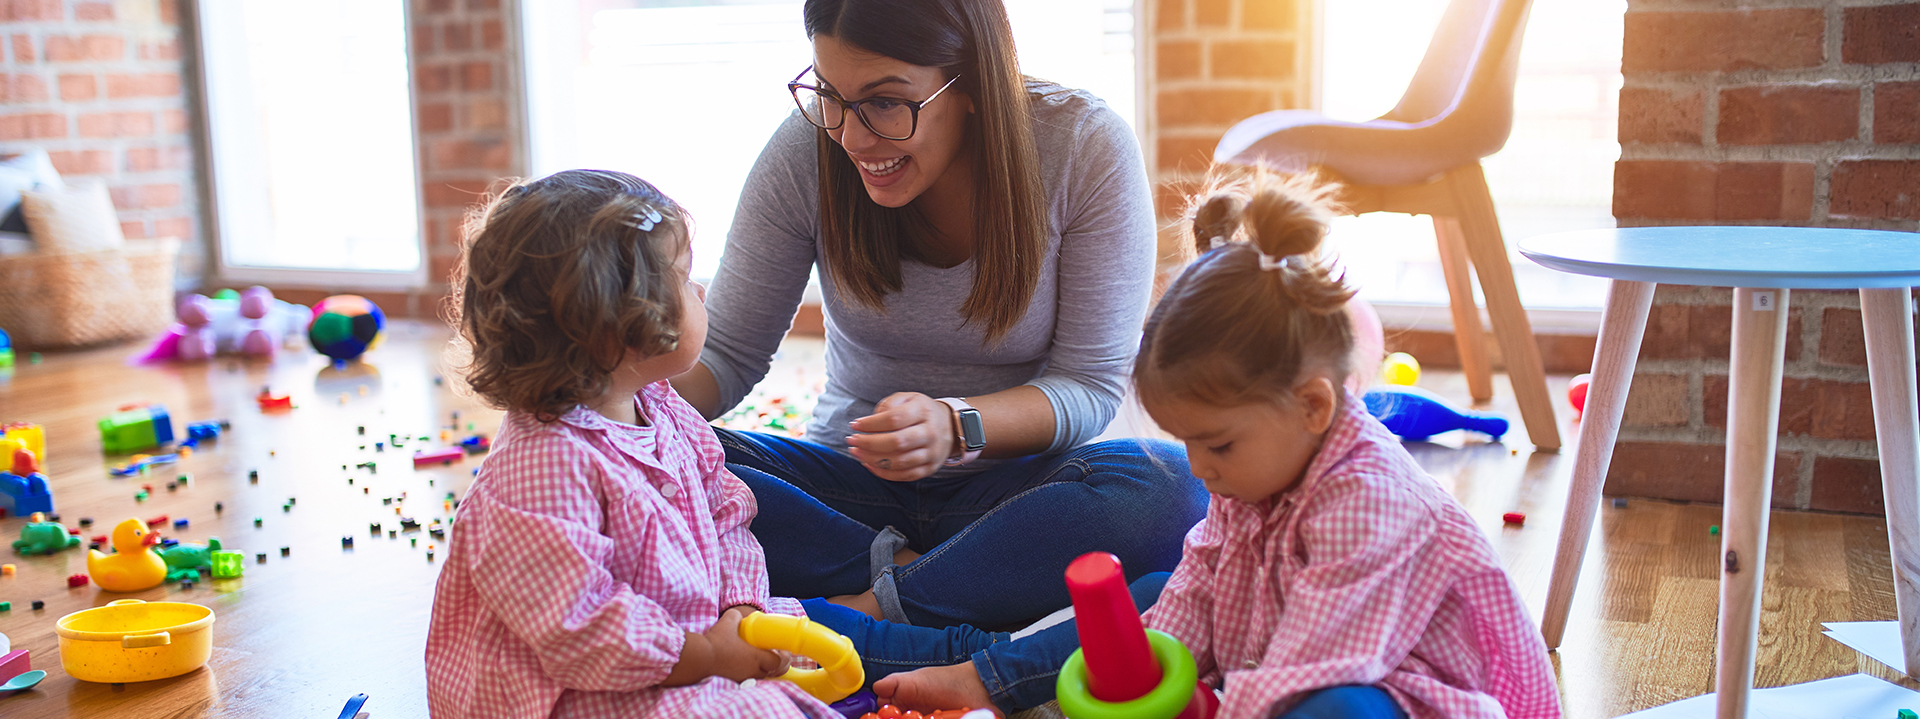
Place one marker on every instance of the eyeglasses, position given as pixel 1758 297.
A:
pixel 890 118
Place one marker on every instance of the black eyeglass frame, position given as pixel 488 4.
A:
pixel 853 106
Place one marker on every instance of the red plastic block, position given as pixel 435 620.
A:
pixel 444 455
pixel 1514 518
pixel 77 580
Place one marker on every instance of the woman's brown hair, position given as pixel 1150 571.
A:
pixel 1260 304
pixel 560 277
pixel 863 242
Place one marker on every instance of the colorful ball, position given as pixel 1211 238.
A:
pixel 345 326
pixel 1401 369
pixel 1577 392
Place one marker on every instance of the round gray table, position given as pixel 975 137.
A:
pixel 1763 265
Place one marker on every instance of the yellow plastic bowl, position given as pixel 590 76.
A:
pixel 130 640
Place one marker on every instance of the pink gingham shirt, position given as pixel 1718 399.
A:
pixel 1366 572
pixel 583 553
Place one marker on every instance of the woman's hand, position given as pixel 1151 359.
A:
pixel 908 436
pixel 735 659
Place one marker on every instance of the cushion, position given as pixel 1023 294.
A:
pixel 72 219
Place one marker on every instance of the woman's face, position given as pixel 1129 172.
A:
pixel 894 171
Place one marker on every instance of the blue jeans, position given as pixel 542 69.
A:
pixel 1018 674
pixel 1348 702
pixel 994 545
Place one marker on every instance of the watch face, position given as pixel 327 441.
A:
pixel 972 431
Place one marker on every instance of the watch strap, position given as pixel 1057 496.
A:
pixel 965 449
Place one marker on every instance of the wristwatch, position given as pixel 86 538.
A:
pixel 969 435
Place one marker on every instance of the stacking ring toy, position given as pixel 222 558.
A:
pixel 839 674
pixel 1164 702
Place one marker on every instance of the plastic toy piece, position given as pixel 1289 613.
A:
pixel 76 581
pixel 39 605
pixel 1908 714
pixel 24 490
pixel 16 662
pixel 1123 670
pixel 184 561
pixel 856 704
pixel 476 444
pixel 1416 414
pixel 21 435
pixel 227 565
pixel 889 711
pixel 1400 369
pixel 136 429
pixel 269 401
pixel 8 569
pixel 251 322
pixel 1577 393
pixel 839 674
pixel 444 456
pixel 1514 518
pixel 1619 502
pixel 133 566
pixel 6 352
pixel 43 537
pixel 140 462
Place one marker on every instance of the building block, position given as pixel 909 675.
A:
pixel 16 663
pixel 24 490
pixel 445 455
pixel 136 429
pixel 20 435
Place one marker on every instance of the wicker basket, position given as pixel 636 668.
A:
pixel 71 299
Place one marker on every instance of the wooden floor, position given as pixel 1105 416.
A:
pixel 298 635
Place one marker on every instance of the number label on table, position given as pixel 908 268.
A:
pixel 1763 301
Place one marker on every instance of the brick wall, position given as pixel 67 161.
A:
pixel 103 88
pixel 1210 64
pixel 1798 113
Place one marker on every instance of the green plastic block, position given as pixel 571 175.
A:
pixel 1908 714
pixel 228 564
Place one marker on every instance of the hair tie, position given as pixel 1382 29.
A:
pixel 1269 262
pixel 644 221
pixel 1216 242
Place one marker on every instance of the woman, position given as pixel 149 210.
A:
pixel 985 244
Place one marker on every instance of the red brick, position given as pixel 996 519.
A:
pixel 456 36
pixel 483 4
pixel 152 84
pixel 134 229
pixel 153 159
pixel 1176 59
pixel 1876 189
pixel 96 11
pixel 1842 338
pixel 460 154
pixel 1657 400
pixel 487 113
pixel 422 39
pixel 1880 34
pixel 1896 113
pixel 1260 59
pixel 476 76
pixel 23 49
pixel 1687 472
pixel 181 227
pixel 1722 41
pixel 173 121
pixel 82 162
pixel 1789 114
pixel 116 124
pixel 145 197
pixel 79 87
pixel 1267 15
pixel 1212 13
pixel 86 48
pixel 32 10
pixel 1847 485
pixel 33 126
pixel 1673 189
pixel 1679 332
pixel 439 6
pixel 1809 407
pixel 1210 107
pixel 1661 116
pixel 23 88
pixel 456 194
pixel 170 12
pixel 434 78
pixel 1170 14
pixel 435 117
pixel 492 35
pixel 1184 154
pixel 160 50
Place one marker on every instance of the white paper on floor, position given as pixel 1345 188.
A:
pixel 1880 641
pixel 1851 697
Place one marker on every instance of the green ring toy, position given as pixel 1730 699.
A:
pixel 1178 675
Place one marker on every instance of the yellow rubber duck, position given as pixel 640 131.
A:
pixel 132 567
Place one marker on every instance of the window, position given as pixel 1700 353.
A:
pixel 685 93
pixel 1555 174
pixel 310 123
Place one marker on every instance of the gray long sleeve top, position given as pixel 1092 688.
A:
pixel 1076 342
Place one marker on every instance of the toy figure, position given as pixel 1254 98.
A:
pixel 255 324
pixel 44 537
pixel 133 566
pixel 184 561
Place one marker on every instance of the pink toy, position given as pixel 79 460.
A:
pixel 255 324
pixel 1577 393
pixel 445 455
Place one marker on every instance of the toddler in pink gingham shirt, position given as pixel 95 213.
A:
pixel 1330 570
pixel 601 559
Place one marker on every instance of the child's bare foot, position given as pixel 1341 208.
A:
pixel 862 602
pixel 935 689
pixel 904 556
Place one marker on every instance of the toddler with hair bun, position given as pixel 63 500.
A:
pixel 1331 576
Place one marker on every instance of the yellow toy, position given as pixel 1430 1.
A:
pixel 1401 369
pixel 133 566
pixel 839 674
pixel 20 435
pixel 129 640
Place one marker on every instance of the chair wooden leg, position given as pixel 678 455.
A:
pixel 1622 326
pixel 1467 333
pixel 1888 315
pixel 1488 251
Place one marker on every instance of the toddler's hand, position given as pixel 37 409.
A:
pixel 735 659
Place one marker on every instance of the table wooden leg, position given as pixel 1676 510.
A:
pixel 1622 325
pixel 1888 316
pixel 1753 419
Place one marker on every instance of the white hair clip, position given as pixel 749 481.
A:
pixel 1269 262
pixel 644 221
pixel 1216 242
